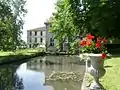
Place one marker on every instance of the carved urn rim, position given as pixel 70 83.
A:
pixel 94 54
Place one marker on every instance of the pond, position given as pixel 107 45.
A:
pixel 43 73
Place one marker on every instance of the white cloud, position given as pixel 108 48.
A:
pixel 38 12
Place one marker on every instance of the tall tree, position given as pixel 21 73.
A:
pixel 62 24
pixel 77 17
pixel 101 17
pixel 11 23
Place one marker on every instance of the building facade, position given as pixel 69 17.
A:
pixel 40 37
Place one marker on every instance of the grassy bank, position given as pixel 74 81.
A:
pixel 21 52
pixel 6 57
pixel 112 77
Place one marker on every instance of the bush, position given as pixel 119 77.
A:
pixel 113 48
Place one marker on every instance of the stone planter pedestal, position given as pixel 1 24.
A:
pixel 95 66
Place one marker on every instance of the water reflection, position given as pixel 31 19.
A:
pixel 6 81
pixel 30 78
pixel 32 74
pixel 52 63
pixel 18 82
pixel 61 64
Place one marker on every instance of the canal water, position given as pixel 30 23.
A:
pixel 43 73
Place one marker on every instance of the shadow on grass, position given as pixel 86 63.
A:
pixel 107 66
pixel 115 55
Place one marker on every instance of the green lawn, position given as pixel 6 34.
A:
pixel 20 52
pixel 111 80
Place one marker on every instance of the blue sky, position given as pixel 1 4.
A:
pixel 38 12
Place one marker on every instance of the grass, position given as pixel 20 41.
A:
pixel 28 51
pixel 111 79
pixel 2 53
pixel 19 54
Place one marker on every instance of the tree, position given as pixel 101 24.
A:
pixel 11 23
pixel 75 18
pixel 101 17
pixel 62 25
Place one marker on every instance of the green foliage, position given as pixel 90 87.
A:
pixel 77 18
pixel 22 44
pixel 11 23
pixel 62 24
pixel 100 17
pixel 6 75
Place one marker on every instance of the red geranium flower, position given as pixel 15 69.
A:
pixel 98 45
pixel 99 39
pixel 83 43
pixel 89 36
pixel 103 55
pixel 89 43
pixel 104 40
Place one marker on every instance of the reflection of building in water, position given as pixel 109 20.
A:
pixel 37 65
pixel 51 63
pixel 60 63
pixel 41 65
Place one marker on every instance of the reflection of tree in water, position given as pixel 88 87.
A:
pixel 6 78
pixel 18 82
pixel 9 80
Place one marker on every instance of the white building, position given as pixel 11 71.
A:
pixel 40 37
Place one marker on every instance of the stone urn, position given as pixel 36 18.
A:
pixel 95 66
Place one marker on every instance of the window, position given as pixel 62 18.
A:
pixel 41 40
pixel 51 42
pixel 35 45
pixel 30 33
pixel 30 40
pixel 29 45
pixel 35 39
pixel 50 39
pixel 35 33
pixel 41 33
